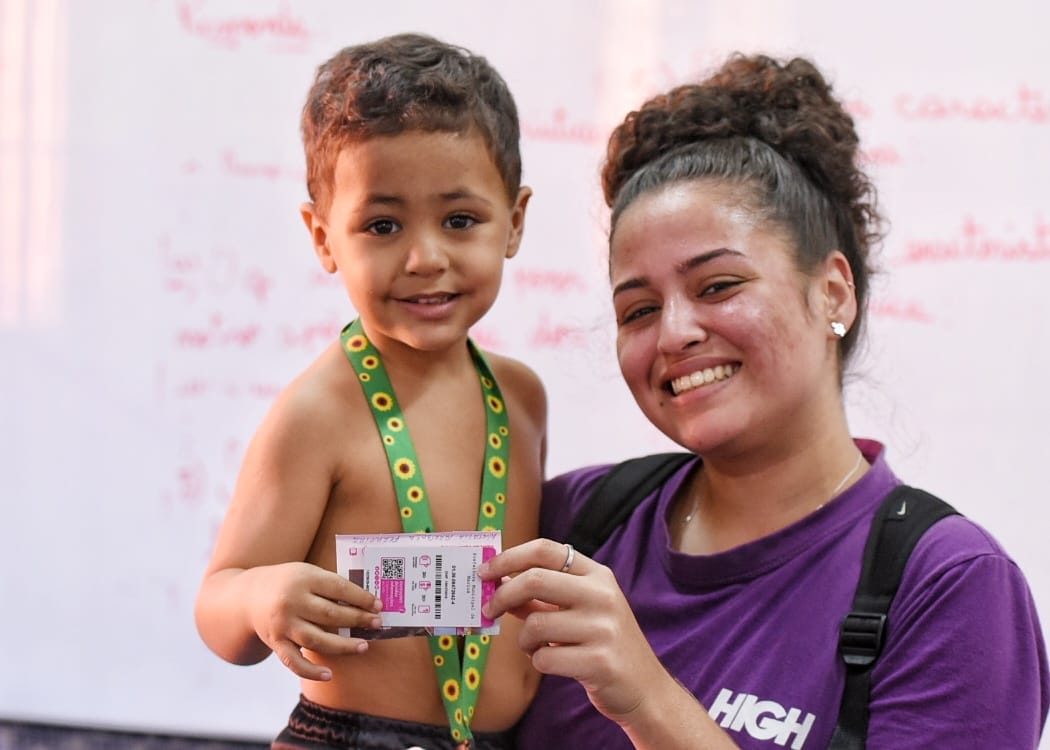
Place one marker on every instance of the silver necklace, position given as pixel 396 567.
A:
pixel 834 492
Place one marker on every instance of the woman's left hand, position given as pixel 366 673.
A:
pixel 577 623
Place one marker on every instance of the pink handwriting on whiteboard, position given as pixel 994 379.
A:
pixel 191 275
pixel 560 129
pixel 907 310
pixel 552 335
pixel 975 242
pixel 217 332
pixel 548 279
pixel 1025 105
pixel 231 31
pixel 238 166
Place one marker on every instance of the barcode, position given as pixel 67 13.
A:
pixel 394 568
pixel 438 578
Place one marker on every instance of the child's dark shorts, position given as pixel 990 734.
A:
pixel 314 727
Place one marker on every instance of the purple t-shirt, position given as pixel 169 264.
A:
pixel 753 631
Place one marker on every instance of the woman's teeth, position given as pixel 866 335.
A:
pixel 702 377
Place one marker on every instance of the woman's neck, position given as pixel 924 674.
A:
pixel 732 502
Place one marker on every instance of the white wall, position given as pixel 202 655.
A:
pixel 157 287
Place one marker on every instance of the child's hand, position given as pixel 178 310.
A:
pixel 298 605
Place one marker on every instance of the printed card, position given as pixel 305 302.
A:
pixel 428 583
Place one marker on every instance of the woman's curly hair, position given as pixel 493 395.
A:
pixel 771 127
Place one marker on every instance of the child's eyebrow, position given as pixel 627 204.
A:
pixel 461 193
pixel 383 199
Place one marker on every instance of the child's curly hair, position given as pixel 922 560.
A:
pixel 402 83
pixel 773 128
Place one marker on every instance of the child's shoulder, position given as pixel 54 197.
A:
pixel 326 391
pixel 516 377
pixel 521 386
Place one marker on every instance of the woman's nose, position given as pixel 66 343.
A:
pixel 680 327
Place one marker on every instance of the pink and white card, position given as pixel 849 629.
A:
pixel 428 583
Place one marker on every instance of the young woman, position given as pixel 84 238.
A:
pixel 741 229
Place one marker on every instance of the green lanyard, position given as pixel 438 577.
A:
pixel 459 684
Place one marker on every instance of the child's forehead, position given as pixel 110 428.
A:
pixel 401 159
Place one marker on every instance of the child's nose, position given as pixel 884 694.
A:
pixel 680 326
pixel 426 256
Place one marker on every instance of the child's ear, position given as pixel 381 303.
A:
pixel 318 229
pixel 517 221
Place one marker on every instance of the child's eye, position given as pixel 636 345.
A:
pixel 460 221
pixel 382 226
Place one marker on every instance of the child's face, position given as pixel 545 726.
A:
pixel 418 229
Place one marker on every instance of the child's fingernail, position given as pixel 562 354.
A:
pixel 325 676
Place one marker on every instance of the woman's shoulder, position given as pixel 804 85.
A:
pixel 956 543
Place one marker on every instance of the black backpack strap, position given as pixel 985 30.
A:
pixel 901 520
pixel 618 493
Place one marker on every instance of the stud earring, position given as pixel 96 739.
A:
pixel 837 328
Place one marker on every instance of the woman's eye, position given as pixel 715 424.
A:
pixel 460 221
pixel 717 288
pixel 382 226
pixel 637 313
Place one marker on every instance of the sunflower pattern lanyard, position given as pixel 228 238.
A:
pixel 459 684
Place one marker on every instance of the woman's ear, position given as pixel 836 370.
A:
pixel 318 229
pixel 840 298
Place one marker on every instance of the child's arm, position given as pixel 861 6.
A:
pixel 258 595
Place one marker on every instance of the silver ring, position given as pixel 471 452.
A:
pixel 569 557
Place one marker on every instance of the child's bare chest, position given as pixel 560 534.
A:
pixel 448 456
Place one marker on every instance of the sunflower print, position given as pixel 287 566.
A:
pixel 357 343
pixel 458 684
pixel 405 468
pixel 451 689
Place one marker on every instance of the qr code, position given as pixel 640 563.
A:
pixel 393 567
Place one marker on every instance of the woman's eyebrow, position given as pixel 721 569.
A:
pixel 698 260
pixel 682 268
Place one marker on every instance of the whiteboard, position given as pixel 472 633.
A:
pixel 157 287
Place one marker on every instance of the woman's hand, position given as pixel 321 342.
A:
pixel 297 605
pixel 577 623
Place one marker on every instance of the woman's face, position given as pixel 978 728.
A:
pixel 723 342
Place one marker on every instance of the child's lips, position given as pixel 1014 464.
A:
pixel 436 298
